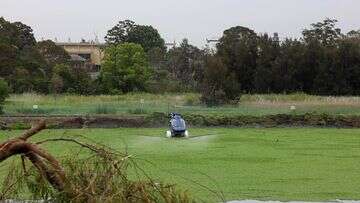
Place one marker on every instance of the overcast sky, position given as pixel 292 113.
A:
pixel 177 19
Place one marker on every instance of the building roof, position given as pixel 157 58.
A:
pixel 80 44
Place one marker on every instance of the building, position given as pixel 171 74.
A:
pixel 86 55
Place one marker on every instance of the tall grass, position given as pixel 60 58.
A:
pixel 144 103
pixel 104 109
pixel 300 97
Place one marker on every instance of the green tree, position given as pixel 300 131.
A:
pixel 268 51
pixel 4 93
pixel 52 53
pixel 320 69
pixel 325 32
pixel 184 64
pixel 8 60
pixel 147 36
pixel 17 34
pixel 71 80
pixel 21 64
pixel 125 68
pixel 127 31
pixel 120 32
pixel 349 65
pixel 287 66
pixel 57 84
pixel 219 85
pixel 238 51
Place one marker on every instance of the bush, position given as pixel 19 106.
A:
pixel 23 110
pixel 4 93
pixel 104 109
pixel 137 111
pixel 220 85
pixel 192 100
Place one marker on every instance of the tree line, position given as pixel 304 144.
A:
pixel 324 61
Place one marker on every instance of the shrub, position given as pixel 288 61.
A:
pixel 191 99
pixel 20 126
pixel 104 109
pixel 220 85
pixel 4 92
pixel 23 110
pixel 137 111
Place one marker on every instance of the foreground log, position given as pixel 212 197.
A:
pixel 99 177
pixel 46 164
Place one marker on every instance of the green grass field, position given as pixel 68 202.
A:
pixel 143 103
pixel 274 164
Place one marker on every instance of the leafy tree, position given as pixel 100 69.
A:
pixel 325 32
pixel 157 58
pixel 125 68
pixel 71 80
pixel 238 50
pixel 16 34
pixel 52 53
pixel 219 85
pixel 119 33
pixel 320 68
pixel 184 63
pixel 325 72
pixel 4 92
pixel 354 34
pixel 8 59
pixel 127 31
pixel 82 82
pixel 268 51
pixel 349 65
pixel 57 84
pixel 21 65
pixel 62 74
pixel 287 67
pixel 147 36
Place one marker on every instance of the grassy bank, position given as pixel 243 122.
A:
pixel 277 164
pixel 142 103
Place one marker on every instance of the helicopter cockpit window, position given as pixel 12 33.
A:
pixel 178 123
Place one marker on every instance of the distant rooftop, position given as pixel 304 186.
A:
pixel 79 43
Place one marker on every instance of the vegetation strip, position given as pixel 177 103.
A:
pixel 161 120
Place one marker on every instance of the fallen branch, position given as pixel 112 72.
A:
pixel 50 170
pixel 101 177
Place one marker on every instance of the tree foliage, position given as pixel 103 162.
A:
pixel 127 31
pixel 27 65
pixel 52 53
pixel 4 92
pixel 219 86
pixel 185 64
pixel 238 50
pixel 323 61
pixel 21 65
pixel 125 68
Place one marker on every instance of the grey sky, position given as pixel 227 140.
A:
pixel 193 19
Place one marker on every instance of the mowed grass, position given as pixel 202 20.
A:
pixel 269 164
pixel 144 103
